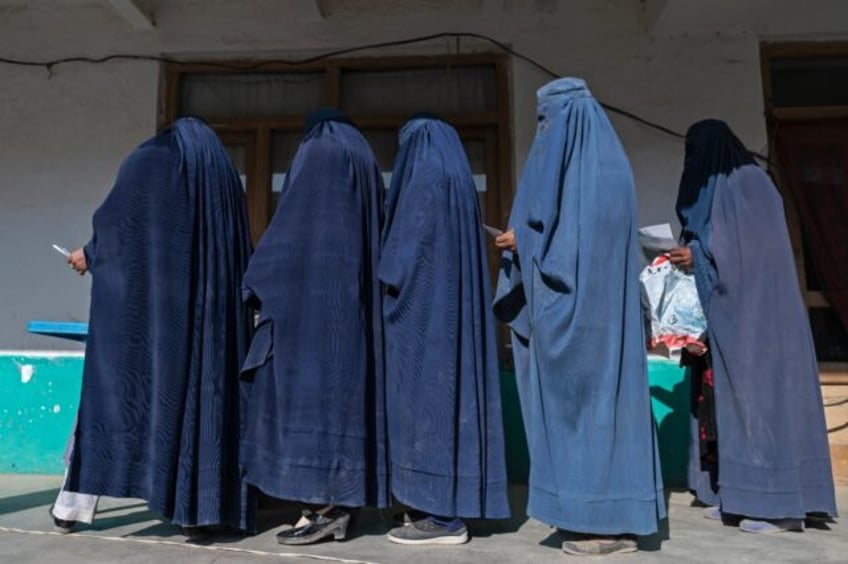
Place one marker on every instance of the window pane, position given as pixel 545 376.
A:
pixel 819 81
pixel 439 90
pixel 814 282
pixel 384 143
pixel 476 152
pixel 830 337
pixel 256 95
pixel 238 153
pixel 284 145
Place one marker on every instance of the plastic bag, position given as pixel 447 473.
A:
pixel 674 317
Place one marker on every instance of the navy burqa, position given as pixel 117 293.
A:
pixel 773 457
pixel 160 408
pixel 571 297
pixel 442 381
pixel 316 423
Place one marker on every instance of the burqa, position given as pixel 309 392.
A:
pixel 442 381
pixel 160 408
pixel 316 423
pixel 571 297
pixel 773 457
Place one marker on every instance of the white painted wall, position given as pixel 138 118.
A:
pixel 66 134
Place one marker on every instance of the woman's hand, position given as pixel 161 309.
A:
pixel 681 257
pixel 506 241
pixel 77 261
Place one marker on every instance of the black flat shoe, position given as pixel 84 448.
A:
pixel 62 525
pixel 194 533
pixel 319 527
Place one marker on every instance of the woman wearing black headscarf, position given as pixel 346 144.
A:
pixel 760 453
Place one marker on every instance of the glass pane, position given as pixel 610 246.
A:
pixel 476 151
pixel 440 90
pixel 284 145
pixel 821 81
pixel 814 282
pixel 829 336
pixel 238 153
pixel 384 143
pixel 256 95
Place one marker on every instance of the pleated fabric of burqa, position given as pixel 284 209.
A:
pixel 773 456
pixel 571 297
pixel 442 380
pixel 316 418
pixel 160 409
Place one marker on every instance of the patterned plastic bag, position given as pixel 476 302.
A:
pixel 674 317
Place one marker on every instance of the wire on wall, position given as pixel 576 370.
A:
pixel 224 65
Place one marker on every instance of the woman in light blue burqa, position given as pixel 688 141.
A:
pixel 569 290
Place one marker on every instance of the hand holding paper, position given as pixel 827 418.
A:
pixel 657 237
pixel 62 251
pixel 493 231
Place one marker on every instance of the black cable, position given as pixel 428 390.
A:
pixel 347 51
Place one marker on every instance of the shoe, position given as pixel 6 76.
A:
pixel 317 527
pixel 61 525
pixel 407 517
pixel 195 533
pixel 819 517
pixel 302 522
pixel 712 513
pixel 599 546
pixel 761 526
pixel 430 530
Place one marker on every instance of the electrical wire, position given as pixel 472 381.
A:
pixel 258 65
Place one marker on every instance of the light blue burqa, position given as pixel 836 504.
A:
pixel 571 297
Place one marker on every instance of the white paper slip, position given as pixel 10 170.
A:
pixel 62 251
pixel 657 237
pixel 493 231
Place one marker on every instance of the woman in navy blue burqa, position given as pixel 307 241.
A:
pixel 160 409
pixel 569 289
pixel 442 386
pixel 759 453
pixel 316 418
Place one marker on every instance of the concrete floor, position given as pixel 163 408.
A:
pixel 126 532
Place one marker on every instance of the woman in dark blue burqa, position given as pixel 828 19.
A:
pixel 160 408
pixel 569 290
pixel 759 447
pixel 316 419
pixel 442 386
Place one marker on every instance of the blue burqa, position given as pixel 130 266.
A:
pixel 571 297
pixel 442 381
pixel 773 457
pixel 316 419
pixel 160 408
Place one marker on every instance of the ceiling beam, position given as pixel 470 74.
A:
pixel 137 16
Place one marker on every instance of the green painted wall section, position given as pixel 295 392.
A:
pixel 39 396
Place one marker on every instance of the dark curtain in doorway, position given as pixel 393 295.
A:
pixel 813 161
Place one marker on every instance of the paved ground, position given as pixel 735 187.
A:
pixel 126 532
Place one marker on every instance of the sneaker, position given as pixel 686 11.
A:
pixel 599 546
pixel 62 525
pixel 712 513
pixel 407 517
pixel 430 530
pixel 763 526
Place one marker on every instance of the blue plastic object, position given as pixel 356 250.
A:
pixel 63 329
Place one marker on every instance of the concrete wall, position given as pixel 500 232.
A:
pixel 65 133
